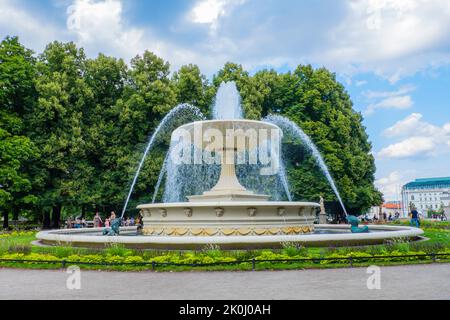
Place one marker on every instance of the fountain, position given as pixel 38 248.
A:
pixel 224 180
pixel 228 209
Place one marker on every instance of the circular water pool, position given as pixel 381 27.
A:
pixel 324 235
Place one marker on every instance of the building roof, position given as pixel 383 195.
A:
pixel 391 205
pixel 428 183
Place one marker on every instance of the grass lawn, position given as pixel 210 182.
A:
pixel 17 245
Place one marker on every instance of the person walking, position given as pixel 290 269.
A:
pixel 414 218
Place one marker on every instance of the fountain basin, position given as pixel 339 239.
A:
pixel 228 218
pixel 325 235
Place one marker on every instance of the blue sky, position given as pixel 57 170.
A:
pixel 393 56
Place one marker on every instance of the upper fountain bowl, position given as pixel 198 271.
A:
pixel 240 128
pixel 229 142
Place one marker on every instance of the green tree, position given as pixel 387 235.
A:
pixel 17 96
pixel 56 126
pixel 107 78
pixel 15 151
pixel 192 87
pixel 324 110
pixel 147 97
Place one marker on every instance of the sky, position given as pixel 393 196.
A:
pixel 392 56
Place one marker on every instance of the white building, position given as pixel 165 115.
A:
pixel 446 202
pixel 446 199
pixel 426 194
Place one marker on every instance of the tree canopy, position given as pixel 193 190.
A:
pixel 73 128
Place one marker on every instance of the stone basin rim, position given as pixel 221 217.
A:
pixel 57 237
pixel 231 121
pixel 266 204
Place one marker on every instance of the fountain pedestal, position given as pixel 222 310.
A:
pixel 228 188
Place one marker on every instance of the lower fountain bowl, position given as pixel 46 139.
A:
pixel 228 218
pixel 323 236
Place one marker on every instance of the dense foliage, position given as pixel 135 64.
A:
pixel 72 129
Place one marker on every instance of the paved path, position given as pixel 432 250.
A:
pixel 399 282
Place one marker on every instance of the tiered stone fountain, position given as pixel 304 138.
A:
pixel 229 209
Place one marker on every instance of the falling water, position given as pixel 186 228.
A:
pixel 161 175
pixel 193 111
pixel 184 180
pixel 187 179
pixel 228 102
pixel 286 124
pixel 284 181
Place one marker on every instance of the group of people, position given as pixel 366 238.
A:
pixel 80 222
pixel 77 223
pixel 391 217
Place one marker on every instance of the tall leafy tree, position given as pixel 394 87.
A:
pixel 324 110
pixel 17 96
pixel 57 129
pixel 107 78
pixel 147 97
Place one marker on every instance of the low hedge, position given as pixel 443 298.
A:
pixel 203 258
pixel 16 234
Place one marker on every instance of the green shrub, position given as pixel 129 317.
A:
pixel 118 250
pixel 212 251
pixel 24 248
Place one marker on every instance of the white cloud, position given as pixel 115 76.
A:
pixel 408 148
pixel 401 102
pixel 419 138
pixel 447 127
pixel 388 94
pixel 391 38
pixel 208 11
pixel 389 99
pixel 99 26
pixel 413 125
pixel 391 184
pixel 34 32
